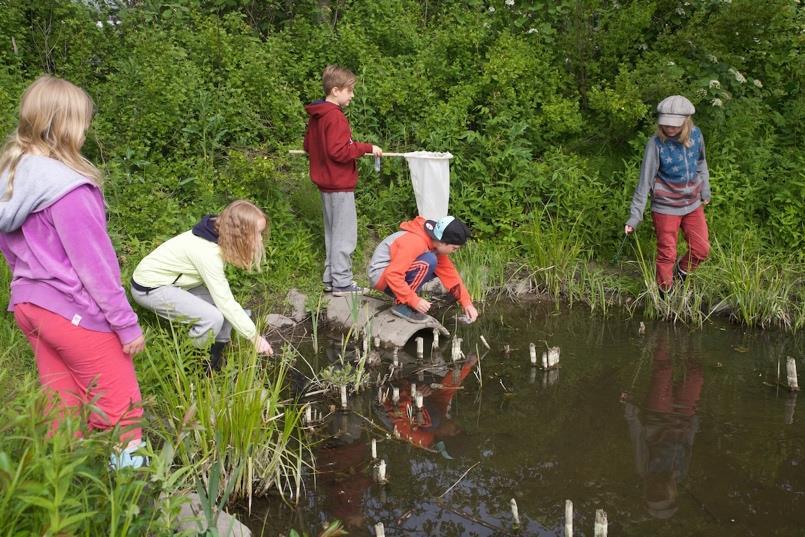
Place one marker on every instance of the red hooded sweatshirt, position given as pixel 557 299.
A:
pixel 330 149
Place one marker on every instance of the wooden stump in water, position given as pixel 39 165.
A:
pixel 790 406
pixel 791 370
pixel 568 518
pixel 515 514
pixel 600 523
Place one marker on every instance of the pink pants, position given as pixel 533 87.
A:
pixel 83 366
pixel 666 226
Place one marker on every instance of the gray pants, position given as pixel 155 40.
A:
pixel 192 306
pixel 340 237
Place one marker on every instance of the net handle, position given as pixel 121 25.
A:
pixel 302 152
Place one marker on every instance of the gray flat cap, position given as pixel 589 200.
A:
pixel 674 110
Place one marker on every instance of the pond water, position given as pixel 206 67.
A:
pixel 671 432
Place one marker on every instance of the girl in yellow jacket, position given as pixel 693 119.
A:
pixel 184 280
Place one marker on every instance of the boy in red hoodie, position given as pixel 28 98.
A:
pixel 404 261
pixel 332 154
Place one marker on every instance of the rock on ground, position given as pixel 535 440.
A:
pixel 275 320
pixel 191 518
pixel 297 302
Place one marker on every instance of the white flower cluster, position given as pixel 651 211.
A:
pixel 491 9
pixel 717 102
pixel 532 31
pixel 738 76
pixel 110 22
pixel 509 3
pixel 757 83
pixel 715 84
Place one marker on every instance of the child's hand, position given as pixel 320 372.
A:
pixel 422 306
pixel 134 347
pixel 263 346
pixel 471 313
pixel 376 151
pixel 628 229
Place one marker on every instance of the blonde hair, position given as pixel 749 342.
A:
pixel 684 135
pixel 239 235
pixel 54 117
pixel 337 77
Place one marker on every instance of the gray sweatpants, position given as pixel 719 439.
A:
pixel 340 237
pixel 192 306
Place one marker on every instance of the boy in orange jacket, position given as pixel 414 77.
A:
pixel 404 261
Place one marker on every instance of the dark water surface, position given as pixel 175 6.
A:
pixel 672 432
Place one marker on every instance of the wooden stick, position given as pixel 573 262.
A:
pixel 302 152
pixel 459 479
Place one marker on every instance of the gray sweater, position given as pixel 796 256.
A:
pixel 676 177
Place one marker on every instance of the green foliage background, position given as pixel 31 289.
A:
pixel 545 104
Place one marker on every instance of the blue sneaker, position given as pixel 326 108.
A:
pixel 127 458
pixel 411 315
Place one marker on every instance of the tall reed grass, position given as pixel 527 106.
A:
pixel 482 266
pixel 239 427
pixel 242 417
pixel 57 482
pixel 758 290
pixel 554 255
pixel 750 288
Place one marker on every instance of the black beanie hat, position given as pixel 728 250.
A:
pixel 449 230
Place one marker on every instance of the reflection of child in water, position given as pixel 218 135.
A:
pixel 340 468
pixel 663 441
pixel 434 422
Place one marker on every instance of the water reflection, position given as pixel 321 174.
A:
pixel 543 439
pixel 341 465
pixel 432 423
pixel 664 428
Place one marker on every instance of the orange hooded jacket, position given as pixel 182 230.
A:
pixel 402 251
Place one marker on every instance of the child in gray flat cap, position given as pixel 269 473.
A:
pixel 674 171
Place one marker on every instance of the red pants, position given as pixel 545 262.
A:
pixel 667 397
pixel 666 226
pixel 83 366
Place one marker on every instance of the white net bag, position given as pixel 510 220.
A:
pixel 430 175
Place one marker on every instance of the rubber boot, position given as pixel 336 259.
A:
pixel 216 356
pixel 679 273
